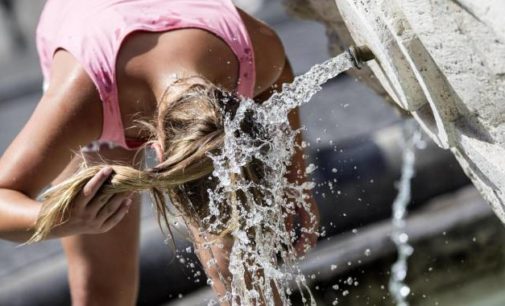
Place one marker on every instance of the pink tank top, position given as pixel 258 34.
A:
pixel 93 30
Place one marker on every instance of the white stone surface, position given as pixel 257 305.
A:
pixel 441 60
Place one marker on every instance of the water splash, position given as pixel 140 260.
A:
pixel 397 286
pixel 262 260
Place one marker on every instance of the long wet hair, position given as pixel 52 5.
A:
pixel 189 126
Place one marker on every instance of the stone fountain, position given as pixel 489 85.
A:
pixel 441 61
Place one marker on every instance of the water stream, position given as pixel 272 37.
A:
pixel 262 260
pixel 397 286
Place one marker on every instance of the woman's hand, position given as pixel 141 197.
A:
pixel 91 212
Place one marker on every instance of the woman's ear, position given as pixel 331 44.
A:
pixel 159 150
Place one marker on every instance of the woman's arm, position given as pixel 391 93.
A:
pixel 67 117
pixel 308 219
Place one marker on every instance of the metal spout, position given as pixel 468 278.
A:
pixel 360 55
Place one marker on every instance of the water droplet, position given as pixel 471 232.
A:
pixel 349 281
pixel 403 238
pixel 310 168
pixel 404 291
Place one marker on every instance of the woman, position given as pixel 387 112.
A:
pixel 109 64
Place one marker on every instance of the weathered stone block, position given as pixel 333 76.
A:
pixel 440 60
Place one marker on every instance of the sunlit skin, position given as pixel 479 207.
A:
pixel 102 244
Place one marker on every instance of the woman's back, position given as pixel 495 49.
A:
pixel 93 32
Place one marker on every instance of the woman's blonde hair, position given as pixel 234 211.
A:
pixel 189 126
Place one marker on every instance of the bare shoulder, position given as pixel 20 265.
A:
pixel 67 74
pixel 268 50
pixel 68 116
pixel 74 97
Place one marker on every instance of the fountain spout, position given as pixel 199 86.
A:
pixel 360 55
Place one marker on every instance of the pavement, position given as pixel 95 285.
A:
pixel 344 109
